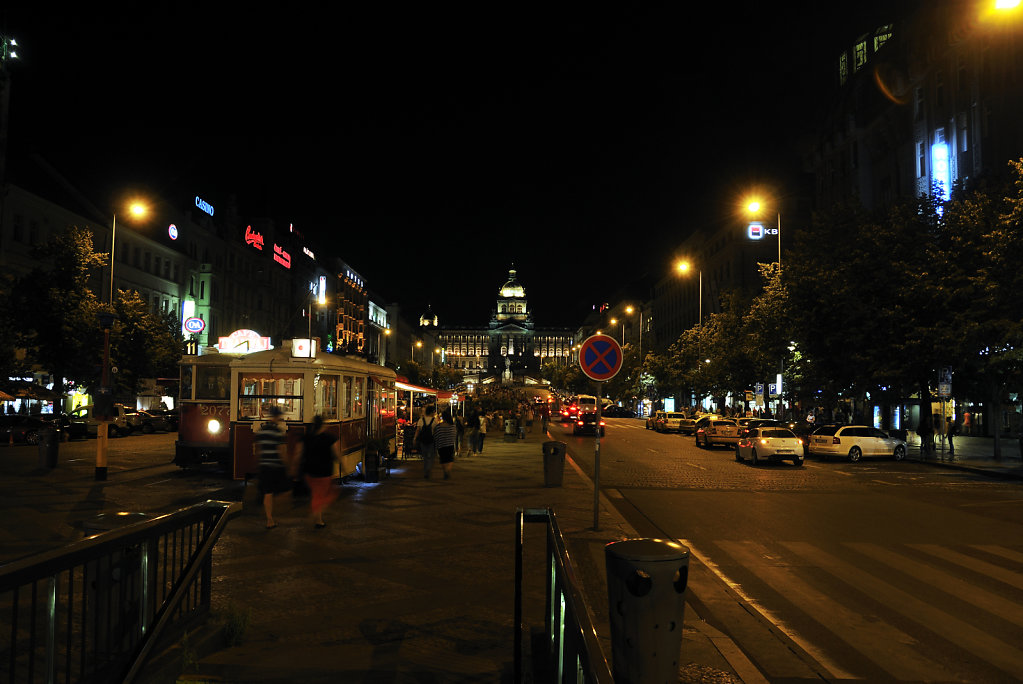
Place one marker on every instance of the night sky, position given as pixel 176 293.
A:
pixel 432 148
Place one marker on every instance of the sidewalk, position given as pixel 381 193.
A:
pixel 411 580
pixel 974 453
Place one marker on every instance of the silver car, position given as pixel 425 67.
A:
pixel 854 442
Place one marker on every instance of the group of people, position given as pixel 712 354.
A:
pixel 442 437
pixel 320 449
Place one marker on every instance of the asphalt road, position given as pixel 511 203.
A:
pixel 878 571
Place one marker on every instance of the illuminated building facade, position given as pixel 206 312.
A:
pixel 510 347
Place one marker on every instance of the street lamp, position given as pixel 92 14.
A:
pixel 103 404
pixel 614 321
pixel 683 268
pixel 753 208
pixel 136 209
pixel 418 343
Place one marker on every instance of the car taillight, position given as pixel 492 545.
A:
pixel 800 441
pixel 602 423
pixel 836 440
pixel 580 423
pixel 764 442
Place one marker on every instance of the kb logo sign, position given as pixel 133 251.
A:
pixel 757 230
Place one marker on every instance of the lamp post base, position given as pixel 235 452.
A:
pixel 101 473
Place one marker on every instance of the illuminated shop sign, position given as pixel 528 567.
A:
pixel 281 256
pixel 253 238
pixel 243 342
pixel 187 313
pixel 309 253
pixel 757 231
pixel 172 231
pixel 195 325
pixel 941 170
pixel 204 205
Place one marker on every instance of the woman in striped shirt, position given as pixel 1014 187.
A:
pixel 444 437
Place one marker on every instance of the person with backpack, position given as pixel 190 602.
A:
pixel 424 438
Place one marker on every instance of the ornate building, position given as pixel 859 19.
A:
pixel 510 348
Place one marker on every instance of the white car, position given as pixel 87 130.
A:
pixel 669 422
pixel 769 443
pixel 716 430
pixel 854 442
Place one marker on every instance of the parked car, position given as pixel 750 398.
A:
pixel 669 421
pixel 855 442
pixel 153 422
pixel 712 430
pixel 568 413
pixel 586 424
pixel 172 416
pixel 21 429
pixel 769 443
pixel 73 429
pixel 613 411
pixel 651 420
pixel 117 427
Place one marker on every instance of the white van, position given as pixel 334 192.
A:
pixel 587 403
pixel 122 422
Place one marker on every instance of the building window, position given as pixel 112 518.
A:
pixel 859 55
pixel 882 36
pixel 922 156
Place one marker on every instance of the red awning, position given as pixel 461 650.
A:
pixel 416 388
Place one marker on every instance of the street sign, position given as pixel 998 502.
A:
pixel 600 357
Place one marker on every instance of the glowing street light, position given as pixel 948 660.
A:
pixel 684 267
pixel 137 210
pixel 753 208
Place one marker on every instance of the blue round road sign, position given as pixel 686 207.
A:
pixel 195 325
pixel 600 357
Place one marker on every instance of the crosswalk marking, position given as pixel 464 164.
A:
pixel 986 646
pixel 1008 554
pixel 891 649
pixel 984 600
pixel 1013 579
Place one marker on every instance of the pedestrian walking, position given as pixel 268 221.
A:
pixel 425 439
pixel 459 433
pixel 950 430
pixel 473 426
pixel 484 421
pixel 272 452
pixel 320 450
pixel 528 416
pixel 444 436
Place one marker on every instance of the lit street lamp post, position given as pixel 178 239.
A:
pixel 754 208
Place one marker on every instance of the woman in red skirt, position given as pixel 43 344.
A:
pixel 320 450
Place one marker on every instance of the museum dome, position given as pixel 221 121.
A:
pixel 429 318
pixel 512 288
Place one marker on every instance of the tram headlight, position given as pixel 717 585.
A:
pixel 213 426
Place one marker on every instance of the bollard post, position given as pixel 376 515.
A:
pixel 553 463
pixel 646 584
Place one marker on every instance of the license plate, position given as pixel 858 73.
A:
pixel 783 451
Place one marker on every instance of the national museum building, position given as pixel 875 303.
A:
pixel 510 348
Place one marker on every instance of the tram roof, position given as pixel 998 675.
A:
pixel 281 359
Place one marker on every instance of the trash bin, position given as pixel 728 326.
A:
pixel 510 430
pixel 553 463
pixel 49 442
pixel 646 585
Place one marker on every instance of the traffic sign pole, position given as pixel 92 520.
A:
pixel 600 358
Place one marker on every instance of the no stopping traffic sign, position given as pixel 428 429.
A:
pixel 600 357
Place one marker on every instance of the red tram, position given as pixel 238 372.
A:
pixel 224 396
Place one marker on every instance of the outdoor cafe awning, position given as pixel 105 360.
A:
pixel 440 394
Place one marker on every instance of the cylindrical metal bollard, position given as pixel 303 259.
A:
pixel 646 584
pixel 48 448
pixel 553 463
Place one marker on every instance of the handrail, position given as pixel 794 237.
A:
pixel 105 599
pixel 575 652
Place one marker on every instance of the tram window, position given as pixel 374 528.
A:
pixel 260 391
pixel 186 382
pixel 346 396
pixel 211 382
pixel 326 396
pixel 358 398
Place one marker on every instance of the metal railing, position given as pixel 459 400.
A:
pixel 573 650
pixel 90 612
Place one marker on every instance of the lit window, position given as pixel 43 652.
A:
pixel 859 55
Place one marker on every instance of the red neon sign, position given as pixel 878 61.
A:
pixel 253 238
